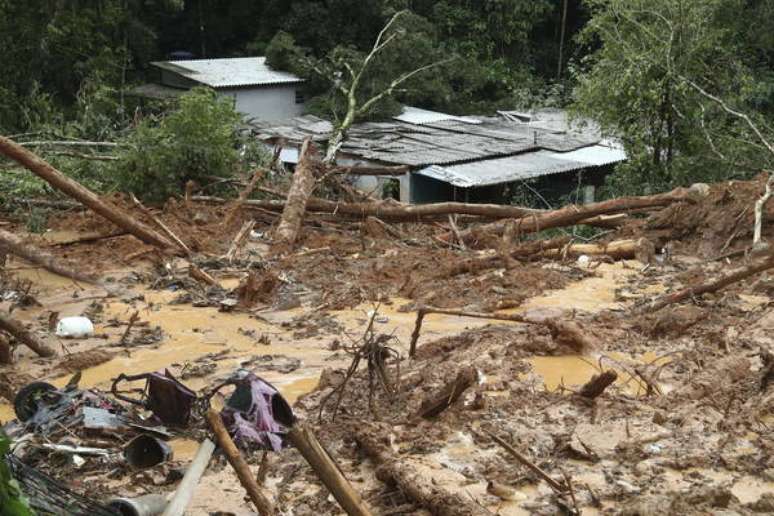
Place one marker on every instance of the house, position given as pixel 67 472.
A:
pixel 472 159
pixel 258 91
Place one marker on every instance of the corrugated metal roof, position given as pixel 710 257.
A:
pixel 229 73
pixel 596 155
pixel 415 115
pixel 522 166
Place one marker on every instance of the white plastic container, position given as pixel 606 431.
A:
pixel 74 327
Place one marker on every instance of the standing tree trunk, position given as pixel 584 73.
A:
pixel 293 215
pixel 64 184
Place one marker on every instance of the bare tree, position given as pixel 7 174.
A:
pixel 349 88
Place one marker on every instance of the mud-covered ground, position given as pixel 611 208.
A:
pixel 685 429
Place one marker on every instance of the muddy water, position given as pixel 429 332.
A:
pixel 575 370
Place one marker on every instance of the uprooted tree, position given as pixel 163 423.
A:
pixel 349 74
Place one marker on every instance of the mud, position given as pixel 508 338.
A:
pixel 685 428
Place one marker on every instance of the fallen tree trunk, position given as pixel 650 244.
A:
pixel 713 286
pixel 419 489
pixel 393 211
pixel 14 245
pixel 451 392
pixel 293 215
pixel 329 473
pixel 473 265
pixel 20 333
pixel 246 478
pixel 574 214
pixel 641 249
pixel 55 178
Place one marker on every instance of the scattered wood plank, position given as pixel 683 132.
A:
pixel 200 275
pixel 164 228
pixel 56 179
pixel 20 333
pixel 239 240
pixel 261 502
pixel 555 485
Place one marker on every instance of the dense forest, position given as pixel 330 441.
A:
pixel 669 77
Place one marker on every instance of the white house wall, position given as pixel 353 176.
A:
pixel 267 102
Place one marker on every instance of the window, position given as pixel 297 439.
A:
pixel 299 97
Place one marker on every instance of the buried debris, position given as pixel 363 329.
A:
pixel 566 333
pixel 392 470
pixel 437 402
pixel 598 383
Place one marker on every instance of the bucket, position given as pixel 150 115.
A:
pixel 74 327
pixel 146 451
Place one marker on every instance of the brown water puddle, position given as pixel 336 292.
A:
pixel 575 370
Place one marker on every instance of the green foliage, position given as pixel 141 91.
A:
pixel 12 500
pixel 198 141
pixel 636 84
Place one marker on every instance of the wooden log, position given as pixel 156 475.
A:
pixel 477 264
pixel 573 214
pixel 261 502
pixel 641 249
pixel 258 174
pixel 12 244
pixel 200 275
pixel 715 285
pixel 414 485
pixel 185 490
pixel 555 485
pixel 304 440
pixel 164 228
pixel 439 401
pixel 598 383
pixel 239 240
pixel 293 214
pixel 56 179
pixel 20 333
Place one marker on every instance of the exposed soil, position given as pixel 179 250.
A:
pixel 686 428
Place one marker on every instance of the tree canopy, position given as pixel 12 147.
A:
pixel 645 69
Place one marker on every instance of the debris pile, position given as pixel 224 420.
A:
pixel 486 359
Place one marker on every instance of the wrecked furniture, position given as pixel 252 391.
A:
pixel 165 396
